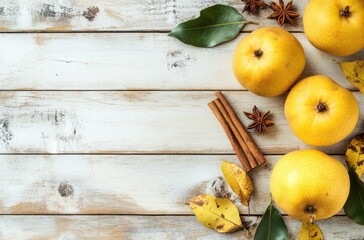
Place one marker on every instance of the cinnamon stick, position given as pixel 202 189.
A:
pixel 253 163
pixel 238 150
pixel 243 132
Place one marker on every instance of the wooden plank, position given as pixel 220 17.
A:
pixel 120 184
pixel 112 15
pixel 135 122
pixel 130 61
pixel 148 227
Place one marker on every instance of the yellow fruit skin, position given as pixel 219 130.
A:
pixel 321 128
pixel 275 71
pixel 330 32
pixel 309 178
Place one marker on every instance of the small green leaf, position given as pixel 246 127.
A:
pixel 354 206
pixel 272 226
pixel 216 24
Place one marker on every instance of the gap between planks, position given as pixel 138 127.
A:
pixel 134 90
pixel 135 214
pixel 135 154
pixel 108 31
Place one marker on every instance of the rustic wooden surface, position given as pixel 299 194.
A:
pixel 130 61
pixel 119 184
pixel 147 227
pixel 154 122
pixel 111 15
pixel 105 129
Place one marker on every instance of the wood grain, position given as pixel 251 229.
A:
pixel 130 61
pixel 132 53
pixel 136 122
pixel 148 227
pixel 120 184
pixel 115 15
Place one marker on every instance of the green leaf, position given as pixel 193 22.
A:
pixel 216 24
pixel 354 206
pixel 272 226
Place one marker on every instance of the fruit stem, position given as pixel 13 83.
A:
pixel 311 218
pixel 321 107
pixel 311 213
pixel 258 53
pixel 345 12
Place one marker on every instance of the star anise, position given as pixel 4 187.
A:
pixel 283 13
pixel 260 122
pixel 252 5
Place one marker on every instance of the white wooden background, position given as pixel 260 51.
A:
pixel 105 129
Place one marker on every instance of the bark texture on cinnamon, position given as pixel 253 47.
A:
pixel 237 148
pixel 244 146
pixel 253 163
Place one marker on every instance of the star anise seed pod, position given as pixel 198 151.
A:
pixel 252 5
pixel 283 13
pixel 260 123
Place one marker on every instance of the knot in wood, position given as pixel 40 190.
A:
pixel 65 190
pixel 91 13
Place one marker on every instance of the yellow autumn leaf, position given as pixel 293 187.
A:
pixel 354 73
pixel 355 154
pixel 238 180
pixel 219 214
pixel 310 231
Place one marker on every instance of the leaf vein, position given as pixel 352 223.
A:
pixel 220 216
pixel 211 26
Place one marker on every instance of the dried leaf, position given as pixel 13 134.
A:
pixel 272 226
pixel 219 214
pixel 355 154
pixel 238 180
pixel 310 231
pixel 354 206
pixel 354 73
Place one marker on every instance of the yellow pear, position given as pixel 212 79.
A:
pixel 320 112
pixel 309 185
pixel 335 26
pixel 268 61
